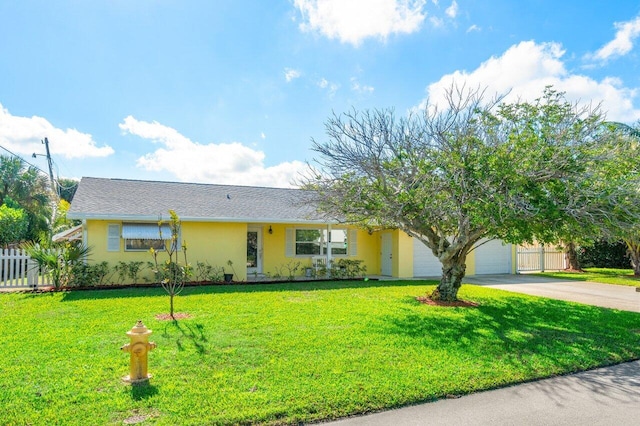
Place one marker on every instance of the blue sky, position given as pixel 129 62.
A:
pixel 232 91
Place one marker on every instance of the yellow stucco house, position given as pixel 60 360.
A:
pixel 258 229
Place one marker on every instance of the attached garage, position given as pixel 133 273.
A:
pixel 425 264
pixel 493 257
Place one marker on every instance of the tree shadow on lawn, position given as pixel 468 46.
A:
pixel 73 295
pixel 532 337
pixel 193 333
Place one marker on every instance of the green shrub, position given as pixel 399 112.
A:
pixel 14 225
pixel 128 271
pixel 90 275
pixel 288 270
pixel 206 272
pixel 604 254
pixel 347 268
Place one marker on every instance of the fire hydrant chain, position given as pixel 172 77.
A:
pixel 138 348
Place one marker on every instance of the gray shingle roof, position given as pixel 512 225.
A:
pixel 99 198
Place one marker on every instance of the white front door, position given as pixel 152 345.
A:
pixel 386 255
pixel 254 251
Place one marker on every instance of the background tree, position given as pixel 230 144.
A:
pixel 14 225
pixel 628 232
pixel 26 188
pixel 67 188
pixel 473 170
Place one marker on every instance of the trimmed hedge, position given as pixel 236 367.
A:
pixel 604 254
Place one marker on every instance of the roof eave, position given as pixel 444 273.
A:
pixel 155 218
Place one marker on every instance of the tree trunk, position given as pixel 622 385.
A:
pixel 171 304
pixel 453 271
pixel 633 248
pixel 571 255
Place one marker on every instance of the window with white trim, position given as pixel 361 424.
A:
pixel 144 236
pixel 316 241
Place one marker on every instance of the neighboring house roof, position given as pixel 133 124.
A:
pixel 72 234
pixel 122 199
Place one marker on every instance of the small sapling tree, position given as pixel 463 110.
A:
pixel 171 273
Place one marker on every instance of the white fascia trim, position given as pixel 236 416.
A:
pixel 136 218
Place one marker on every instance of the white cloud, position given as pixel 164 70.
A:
pixel 473 28
pixel 452 11
pixel 436 22
pixel 224 163
pixel 291 74
pixel 332 88
pixel 355 20
pixel 526 68
pixel 360 88
pixel 621 44
pixel 23 135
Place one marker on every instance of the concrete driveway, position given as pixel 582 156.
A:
pixel 606 295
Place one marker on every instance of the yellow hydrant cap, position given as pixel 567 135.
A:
pixel 139 328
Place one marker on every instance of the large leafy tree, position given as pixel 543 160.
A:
pixel 476 169
pixel 628 232
pixel 26 188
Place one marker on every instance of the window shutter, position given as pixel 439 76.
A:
pixel 289 250
pixel 353 242
pixel 113 237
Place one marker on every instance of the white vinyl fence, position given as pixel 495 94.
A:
pixel 540 258
pixel 18 270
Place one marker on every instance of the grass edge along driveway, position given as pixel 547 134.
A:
pixel 288 353
pixel 597 275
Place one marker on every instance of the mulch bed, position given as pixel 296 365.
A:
pixel 176 316
pixel 456 303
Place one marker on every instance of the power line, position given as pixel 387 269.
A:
pixel 25 161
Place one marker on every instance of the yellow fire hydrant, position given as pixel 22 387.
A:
pixel 139 347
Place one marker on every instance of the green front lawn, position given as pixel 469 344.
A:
pixel 599 275
pixel 287 353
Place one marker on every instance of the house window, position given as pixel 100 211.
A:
pixel 315 242
pixel 113 237
pixel 144 236
pixel 142 244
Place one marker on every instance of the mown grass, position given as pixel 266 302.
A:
pixel 283 354
pixel 598 275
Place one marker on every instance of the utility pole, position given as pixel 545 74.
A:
pixel 54 187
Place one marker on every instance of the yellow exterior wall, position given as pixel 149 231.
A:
pixel 369 251
pixel 471 263
pixel 274 246
pixel 217 243
pixel 402 255
pixel 274 253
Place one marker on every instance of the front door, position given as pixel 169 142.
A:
pixel 386 256
pixel 254 251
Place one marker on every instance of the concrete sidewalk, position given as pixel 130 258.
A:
pixel 606 396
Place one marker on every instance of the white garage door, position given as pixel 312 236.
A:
pixel 493 257
pixel 425 264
